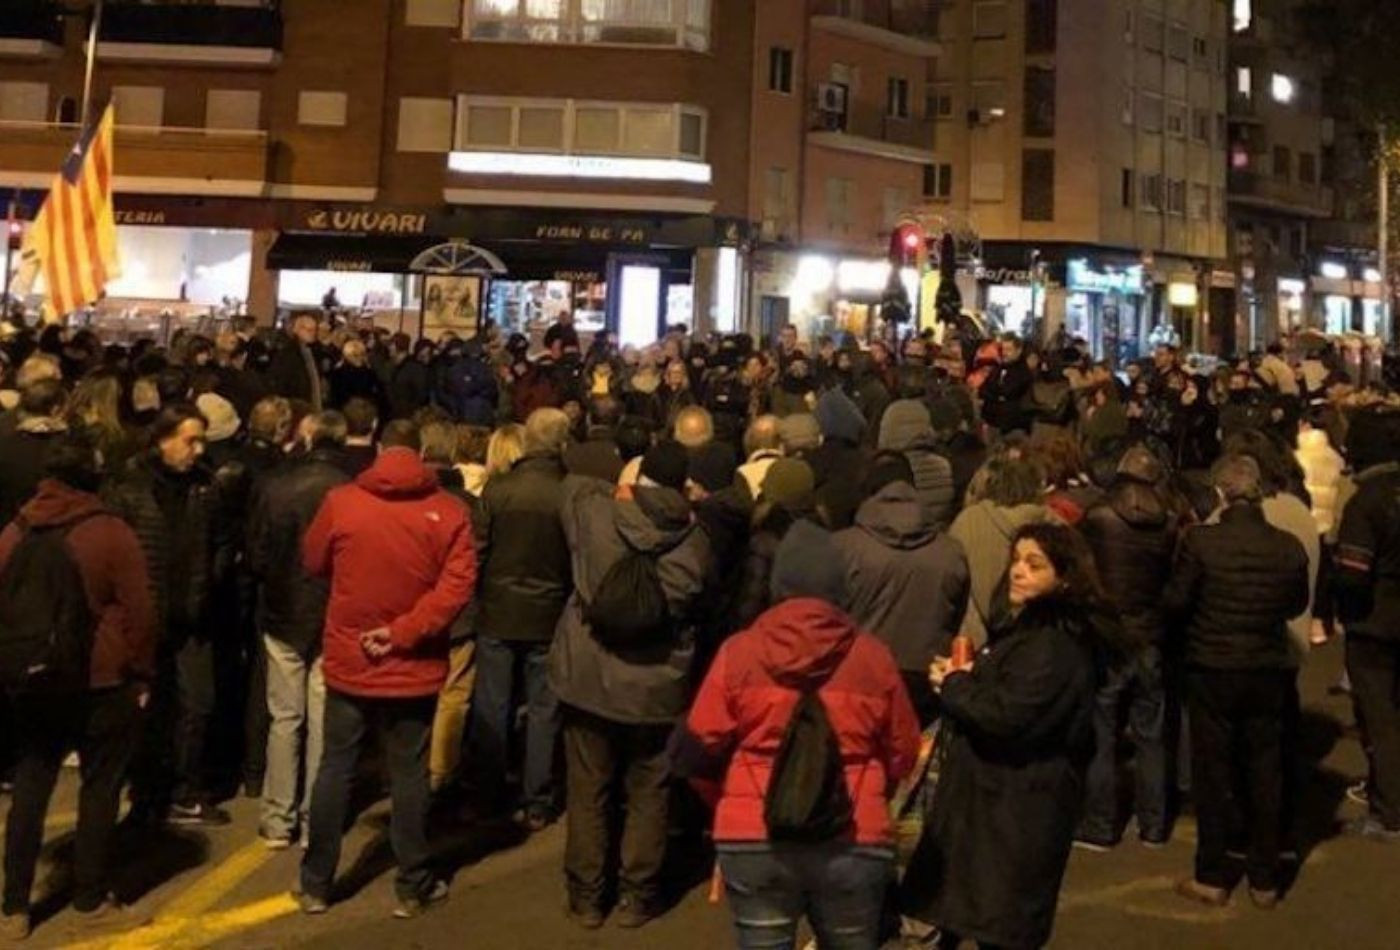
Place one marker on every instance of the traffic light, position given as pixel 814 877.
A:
pixel 906 246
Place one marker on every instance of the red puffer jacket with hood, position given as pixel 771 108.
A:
pixel 749 696
pixel 398 552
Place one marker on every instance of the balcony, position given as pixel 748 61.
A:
pixel 148 161
pixel 906 26
pixel 1255 190
pixel 31 29
pixel 192 34
pixel 1342 233
pixel 900 140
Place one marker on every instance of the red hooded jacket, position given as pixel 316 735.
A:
pixel 748 698
pixel 113 567
pixel 398 552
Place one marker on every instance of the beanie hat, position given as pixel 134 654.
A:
pixel 808 563
pixel 219 413
pixel 800 431
pixel 712 466
pixel 886 469
pixel 905 422
pixel 788 481
pixel 666 464
pixel 839 416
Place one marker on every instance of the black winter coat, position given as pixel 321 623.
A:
pixel 288 375
pixel 525 574
pixel 291 602
pixel 1236 585
pixel 1133 536
pixel 22 458
pixel 1368 556
pixel 409 388
pixel 1018 736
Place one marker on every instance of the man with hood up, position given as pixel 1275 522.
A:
pixel 908 428
pixel 1133 534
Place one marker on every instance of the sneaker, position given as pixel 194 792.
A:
pixel 632 913
pixel 1264 900
pixel 199 813
pixel 1154 844
pixel 1371 829
pixel 1194 890
pixel 275 842
pixel 15 927
pixel 1360 793
pixel 411 907
pixel 587 916
pixel 309 904
pixel 1097 847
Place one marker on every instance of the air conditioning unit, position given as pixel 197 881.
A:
pixel 831 98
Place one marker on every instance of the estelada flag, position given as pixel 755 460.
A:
pixel 73 240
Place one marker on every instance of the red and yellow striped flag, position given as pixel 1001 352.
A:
pixel 73 240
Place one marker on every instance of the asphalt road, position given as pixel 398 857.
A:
pixel 223 889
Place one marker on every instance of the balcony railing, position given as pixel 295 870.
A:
pixel 1250 187
pixel 36 21
pixel 917 18
pixel 202 32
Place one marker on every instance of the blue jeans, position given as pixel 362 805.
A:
pixel 493 712
pixel 838 887
pixel 1139 682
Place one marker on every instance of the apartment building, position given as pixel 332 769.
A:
pixel 1082 144
pixel 443 159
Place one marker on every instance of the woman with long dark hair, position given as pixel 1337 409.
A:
pixel 1017 739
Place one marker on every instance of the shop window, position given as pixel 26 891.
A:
pixel 1307 168
pixel 1283 163
pixel 779 69
pixel 562 126
pixel 1149 112
pixel 1200 202
pixel 432 13
pixel 1127 187
pixel 425 125
pixel 24 101
pixel 236 109
pixel 1175 113
pixel 938 101
pixel 1178 42
pixel 1040 102
pixel 1042 24
pixel 1152 27
pixel 897 98
pixel 989 19
pixel 938 181
pixel 1200 125
pixel 838 204
pixel 319 108
pixel 1038 184
pixel 683 23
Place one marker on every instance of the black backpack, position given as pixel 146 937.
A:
pixel 629 608
pixel 807 801
pixel 46 625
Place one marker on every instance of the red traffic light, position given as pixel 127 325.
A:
pixel 912 239
pixel 906 244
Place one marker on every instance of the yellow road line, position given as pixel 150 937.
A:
pixel 212 927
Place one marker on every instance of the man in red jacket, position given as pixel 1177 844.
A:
pixel 398 552
pixel 102 723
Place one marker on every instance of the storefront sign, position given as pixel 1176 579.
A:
pixel 125 216
pixel 998 275
pixel 1080 277
pixel 579 276
pixel 1183 295
pixel 357 266
pixel 594 234
pixel 367 221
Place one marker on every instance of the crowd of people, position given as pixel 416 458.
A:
pixel 705 593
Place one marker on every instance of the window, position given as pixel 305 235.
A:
pixel 1127 105
pixel 838 204
pixel 1282 88
pixel 897 98
pixel 989 19
pixel 1127 187
pixel 1200 125
pixel 1176 119
pixel 140 106
pixel 938 101
pixel 1283 163
pixel 684 23
pixel 1176 196
pixel 777 204
pixel 1200 52
pixel 1178 42
pixel 779 69
pixel 24 101
pixel 237 109
pixel 1200 203
pixel 1151 192
pixel 1042 18
pixel 989 98
pixel 1040 102
pixel 1307 168
pixel 1038 184
pixel 938 181
pixel 1149 112
pixel 425 125
pixel 1244 82
pixel 433 13
pixel 570 127
pixel 1242 14
pixel 1152 27
pixel 321 108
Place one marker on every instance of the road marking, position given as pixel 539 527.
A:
pixel 212 927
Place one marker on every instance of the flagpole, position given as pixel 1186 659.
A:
pixel 93 29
